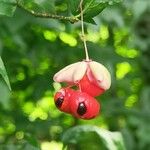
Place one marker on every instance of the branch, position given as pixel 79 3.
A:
pixel 71 19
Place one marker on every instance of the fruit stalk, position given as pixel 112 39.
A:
pixel 83 33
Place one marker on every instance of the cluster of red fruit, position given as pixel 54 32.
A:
pixel 91 79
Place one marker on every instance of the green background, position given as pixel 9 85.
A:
pixel 34 49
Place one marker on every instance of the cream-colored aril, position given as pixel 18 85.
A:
pixel 87 74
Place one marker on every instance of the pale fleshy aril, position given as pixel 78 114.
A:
pixel 101 74
pixel 71 73
pixel 96 72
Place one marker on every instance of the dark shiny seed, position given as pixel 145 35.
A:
pixel 59 102
pixel 81 109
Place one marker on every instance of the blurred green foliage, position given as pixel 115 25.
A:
pixel 34 49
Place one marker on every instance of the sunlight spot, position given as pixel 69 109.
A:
pixel 20 76
pixel 50 35
pixel 44 65
pixel 44 108
pixel 122 69
pixel 125 52
pixel 57 86
pixel 68 39
pixel 53 145
pixel 53 111
pixel 53 130
pixel 131 100
pixel 38 113
pixel 92 36
pixel 104 33
pixel 41 109
pixel 121 37
pixel 28 108
pixel 19 135
pixel 44 103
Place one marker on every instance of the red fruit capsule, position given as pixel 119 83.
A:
pixel 62 98
pixel 83 105
pixel 90 87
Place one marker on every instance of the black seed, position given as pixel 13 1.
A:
pixel 81 109
pixel 59 102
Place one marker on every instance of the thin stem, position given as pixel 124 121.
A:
pixel 83 33
pixel 72 19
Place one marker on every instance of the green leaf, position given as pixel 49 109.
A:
pixel 91 8
pixel 90 20
pixel 7 7
pixel 4 73
pixel 111 140
pixel 4 94
pixel 74 6
pixel 94 10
